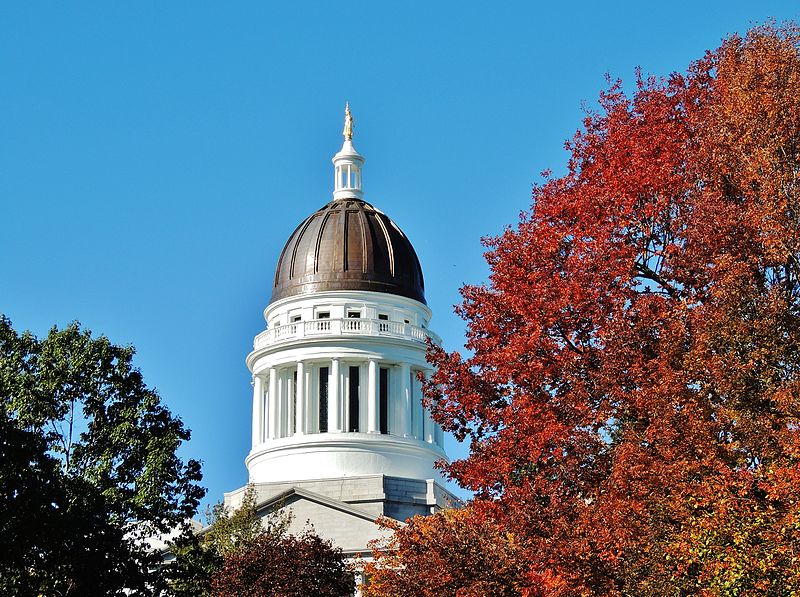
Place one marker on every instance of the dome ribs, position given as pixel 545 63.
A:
pixel 344 218
pixel 389 247
pixel 348 245
pixel 297 236
pixel 322 242
pixel 358 244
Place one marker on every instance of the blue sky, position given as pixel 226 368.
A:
pixel 156 156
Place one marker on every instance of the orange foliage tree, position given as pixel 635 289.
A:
pixel 632 393
pixel 453 552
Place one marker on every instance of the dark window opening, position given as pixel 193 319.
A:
pixel 353 400
pixel 383 317
pixel 406 321
pixel 353 314
pixel 324 315
pixel 296 318
pixel 383 327
pixel 323 399
pixel 384 399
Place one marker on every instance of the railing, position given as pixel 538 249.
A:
pixel 342 327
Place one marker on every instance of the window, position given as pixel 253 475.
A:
pixel 406 321
pixel 383 317
pixel 295 318
pixel 323 315
pixel 384 399
pixel 353 399
pixel 323 399
pixel 353 314
pixel 383 327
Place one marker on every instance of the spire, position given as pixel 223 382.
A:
pixel 347 164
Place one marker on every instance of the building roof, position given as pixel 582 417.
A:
pixel 348 245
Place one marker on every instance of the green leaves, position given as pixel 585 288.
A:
pixel 107 448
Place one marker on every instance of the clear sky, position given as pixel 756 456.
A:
pixel 155 156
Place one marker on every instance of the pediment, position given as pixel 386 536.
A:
pixel 345 525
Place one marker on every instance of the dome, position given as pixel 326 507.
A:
pixel 348 245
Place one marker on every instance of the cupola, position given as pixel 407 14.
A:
pixel 348 244
pixel 347 164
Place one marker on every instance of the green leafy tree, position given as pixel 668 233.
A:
pixel 89 467
pixel 232 530
pixel 193 565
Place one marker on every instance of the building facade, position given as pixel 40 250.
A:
pixel 340 434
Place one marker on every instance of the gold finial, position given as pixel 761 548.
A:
pixel 348 123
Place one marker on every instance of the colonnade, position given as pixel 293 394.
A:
pixel 340 395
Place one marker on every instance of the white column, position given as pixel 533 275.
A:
pixel 273 403
pixel 418 410
pixel 334 406
pixel 372 397
pixel 258 410
pixel 281 404
pixel 300 400
pixel 429 430
pixel 405 400
pixel 438 435
pixel 311 400
pixel 346 397
pixel 428 424
pixel 393 402
pixel 290 403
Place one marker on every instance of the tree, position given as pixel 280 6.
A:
pixel 285 566
pixel 89 467
pixel 244 552
pixel 199 556
pixel 632 392
pixel 453 553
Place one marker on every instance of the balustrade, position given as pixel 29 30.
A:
pixel 344 327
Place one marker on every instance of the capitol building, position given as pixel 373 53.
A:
pixel 340 434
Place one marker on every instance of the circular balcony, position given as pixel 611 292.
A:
pixel 320 328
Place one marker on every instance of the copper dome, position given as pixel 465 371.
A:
pixel 348 245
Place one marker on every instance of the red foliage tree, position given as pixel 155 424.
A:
pixel 633 391
pixel 454 552
pixel 275 565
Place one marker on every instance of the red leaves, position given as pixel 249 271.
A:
pixel 284 565
pixel 632 396
pixel 455 552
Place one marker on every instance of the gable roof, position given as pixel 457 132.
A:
pixel 284 496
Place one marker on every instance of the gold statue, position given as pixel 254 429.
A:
pixel 348 123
